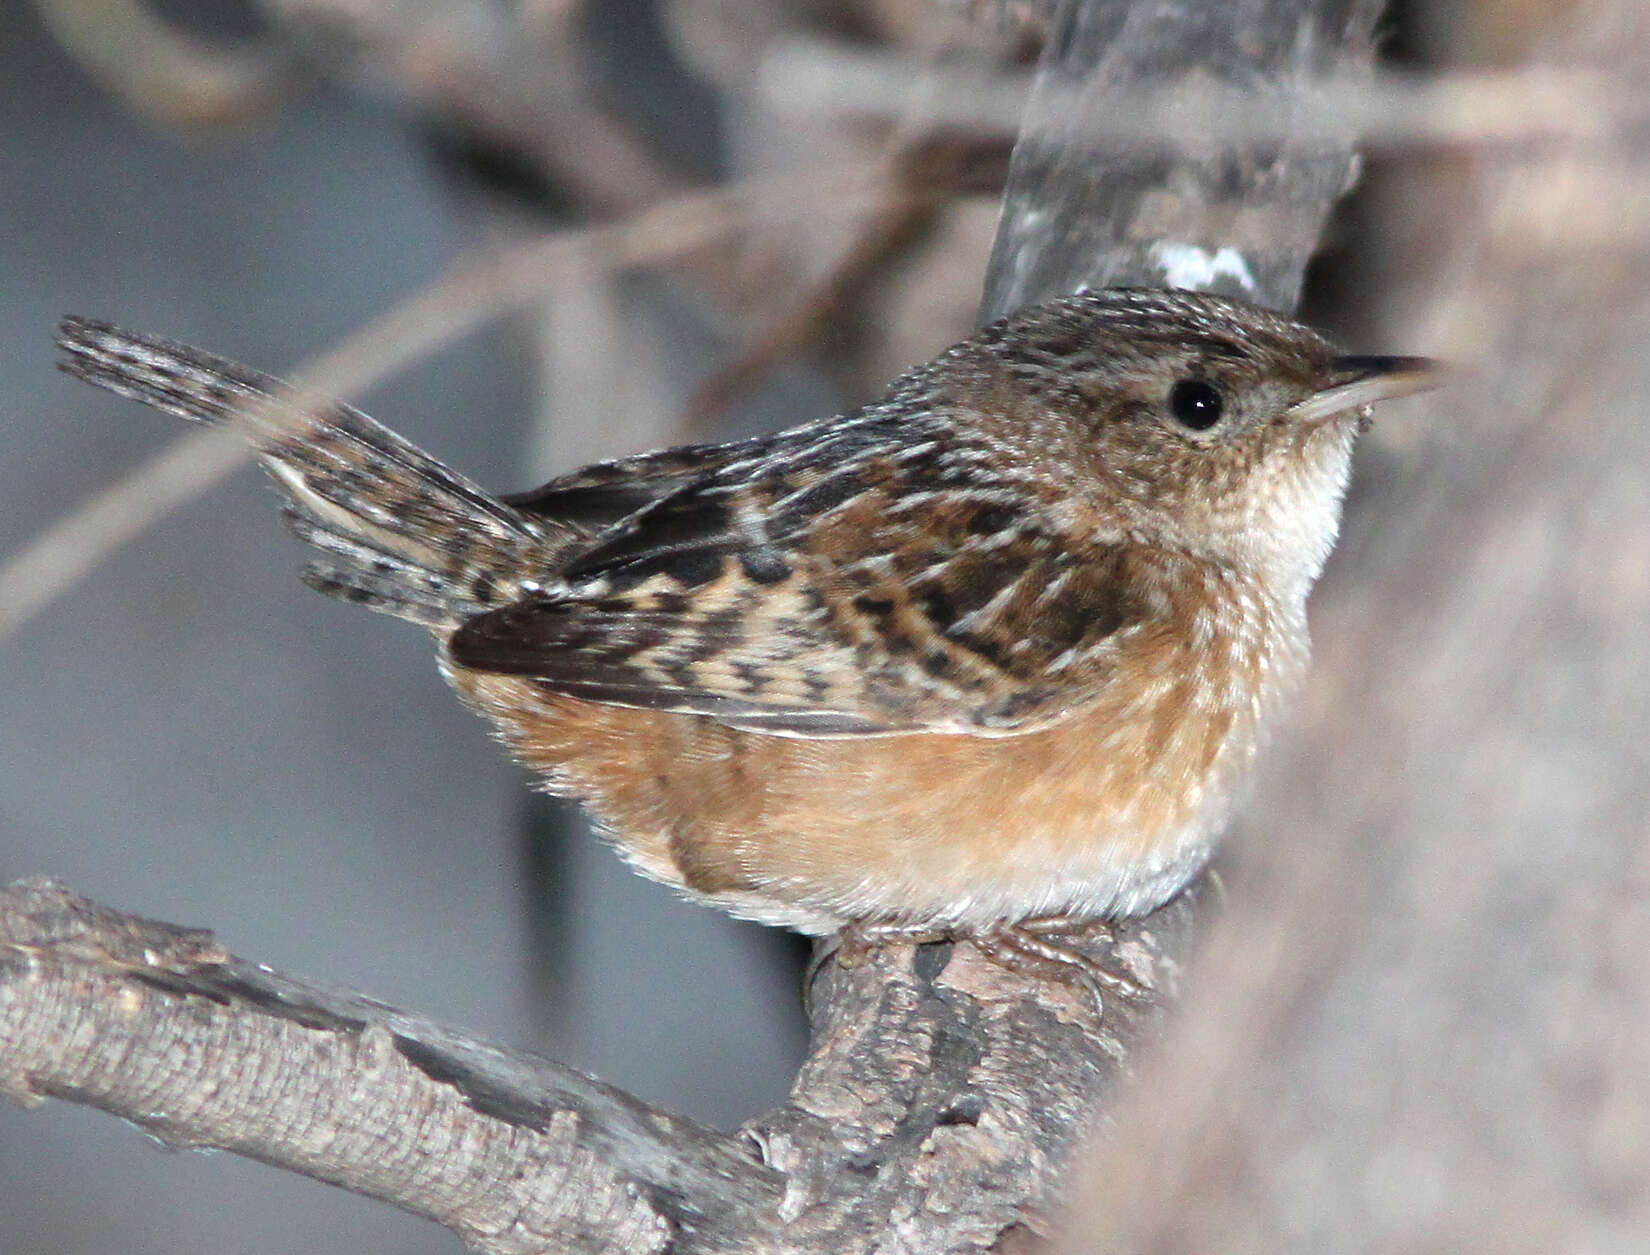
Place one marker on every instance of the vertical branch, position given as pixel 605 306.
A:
pixel 1241 218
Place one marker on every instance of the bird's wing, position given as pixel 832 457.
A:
pixel 596 497
pixel 864 588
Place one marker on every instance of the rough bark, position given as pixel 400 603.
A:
pixel 941 1096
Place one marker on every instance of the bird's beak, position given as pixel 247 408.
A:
pixel 1356 383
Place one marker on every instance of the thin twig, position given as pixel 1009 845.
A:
pixel 1525 105
pixel 884 232
pixel 163 73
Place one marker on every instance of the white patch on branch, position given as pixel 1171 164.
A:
pixel 1189 266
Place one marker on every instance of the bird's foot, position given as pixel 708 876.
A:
pixel 1044 945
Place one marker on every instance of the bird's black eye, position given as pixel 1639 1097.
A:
pixel 1195 404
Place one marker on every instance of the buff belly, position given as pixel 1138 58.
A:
pixel 1098 815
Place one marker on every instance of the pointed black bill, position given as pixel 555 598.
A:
pixel 1356 383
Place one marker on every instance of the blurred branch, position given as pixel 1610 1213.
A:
pixel 162 73
pixel 922 169
pixel 1538 106
pixel 934 1102
pixel 882 233
pixel 510 76
pixel 1238 217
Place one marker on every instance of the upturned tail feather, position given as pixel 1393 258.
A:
pixel 397 531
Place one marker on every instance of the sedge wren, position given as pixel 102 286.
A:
pixel 1000 645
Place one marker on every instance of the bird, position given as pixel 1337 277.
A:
pixel 996 650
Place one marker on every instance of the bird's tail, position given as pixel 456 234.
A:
pixel 397 530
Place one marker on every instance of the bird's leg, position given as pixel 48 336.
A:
pixel 1039 945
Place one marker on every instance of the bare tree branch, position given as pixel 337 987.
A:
pixel 941 1093
pixel 159 1025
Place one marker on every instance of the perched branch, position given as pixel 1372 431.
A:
pixel 940 1092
